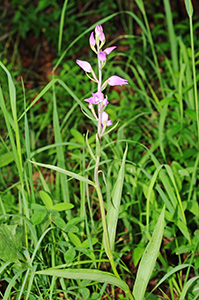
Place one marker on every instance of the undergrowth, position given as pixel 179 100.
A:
pixel 52 243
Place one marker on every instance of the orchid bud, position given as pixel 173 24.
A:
pixel 116 80
pixel 84 65
pixel 92 39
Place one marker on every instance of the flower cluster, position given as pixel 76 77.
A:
pixel 97 41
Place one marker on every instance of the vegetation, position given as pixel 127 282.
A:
pixel 53 238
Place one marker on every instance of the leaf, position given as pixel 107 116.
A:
pixel 85 292
pixel 68 173
pixel 10 243
pixel 69 255
pixel 62 206
pixel 187 286
pixel 85 243
pixel 114 206
pixel 148 259
pixel 7 158
pixel 74 239
pixel 88 274
pixel 189 8
pixel 59 222
pixel 77 135
pixel 171 272
pixel 140 5
pixel 46 199
pixel 38 216
pixel 137 253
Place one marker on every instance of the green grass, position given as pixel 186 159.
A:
pixel 55 227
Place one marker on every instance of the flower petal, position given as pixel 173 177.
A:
pixel 96 98
pixel 116 80
pixel 102 56
pixel 109 49
pixel 84 65
pixel 92 39
pixel 99 33
pixel 105 120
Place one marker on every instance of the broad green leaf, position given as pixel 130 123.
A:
pixel 189 8
pixel 46 199
pixel 7 158
pixel 10 243
pixel 87 274
pixel 58 221
pixel 148 259
pixel 85 243
pixel 71 228
pixel 77 135
pixel 74 239
pixel 62 206
pixel 38 216
pixel 84 292
pixel 114 205
pixel 69 255
pixel 138 252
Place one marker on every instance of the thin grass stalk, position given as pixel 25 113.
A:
pixel 28 152
pixel 140 4
pixel 82 196
pixel 60 152
pixel 61 25
pixel 193 63
pixel 23 287
pixel 172 36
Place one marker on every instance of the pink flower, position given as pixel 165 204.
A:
pixel 116 80
pixel 99 32
pixel 84 65
pixel 109 49
pixel 102 56
pixel 104 119
pixel 92 39
pixel 97 98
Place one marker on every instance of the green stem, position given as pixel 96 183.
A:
pixel 103 216
pixel 194 73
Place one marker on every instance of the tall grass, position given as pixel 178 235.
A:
pixel 61 238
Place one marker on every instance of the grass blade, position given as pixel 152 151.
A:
pixel 68 173
pixel 189 8
pixel 60 153
pixel 171 272
pixel 187 286
pixel 172 36
pixel 114 205
pixel 61 25
pixel 87 274
pixel 148 259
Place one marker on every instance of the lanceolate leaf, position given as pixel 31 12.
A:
pixel 68 173
pixel 148 259
pixel 114 205
pixel 189 8
pixel 87 274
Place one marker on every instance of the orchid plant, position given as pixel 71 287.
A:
pixel 97 41
pixel 97 103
